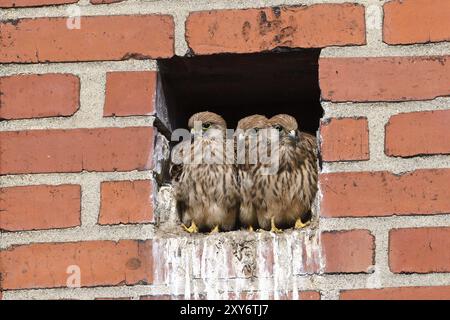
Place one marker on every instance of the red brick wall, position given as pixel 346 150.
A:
pixel 76 141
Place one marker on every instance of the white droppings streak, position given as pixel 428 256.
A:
pixel 201 266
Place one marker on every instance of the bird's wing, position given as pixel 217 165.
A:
pixel 177 166
pixel 306 149
pixel 308 140
pixel 175 171
pixel 178 159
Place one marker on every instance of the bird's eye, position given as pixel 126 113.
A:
pixel 205 126
pixel 278 127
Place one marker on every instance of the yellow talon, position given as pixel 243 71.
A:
pixel 300 225
pixel 250 228
pixel 273 228
pixel 192 229
pixel 214 230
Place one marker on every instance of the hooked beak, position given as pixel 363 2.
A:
pixel 293 134
pixel 193 134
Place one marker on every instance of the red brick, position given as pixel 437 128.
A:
pixel 416 21
pixel 126 202
pixel 344 139
pixel 101 263
pixel 38 96
pixel 348 251
pixel 403 293
pixel 255 30
pixel 99 38
pixel 418 133
pixel 32 3
pixel 130 93
pixel 75 150
pixel 39 207
pixel 419 250
pixel 381 193
pixel 309 295
pixel 384 79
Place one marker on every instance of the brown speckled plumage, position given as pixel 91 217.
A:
pixel 251 196
pixel 289 194
pixel 207 193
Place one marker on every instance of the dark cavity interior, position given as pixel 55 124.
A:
pixel 236 86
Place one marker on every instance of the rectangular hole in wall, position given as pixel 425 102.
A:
pixel 236 86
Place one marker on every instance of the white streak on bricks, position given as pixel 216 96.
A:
pixel 181 262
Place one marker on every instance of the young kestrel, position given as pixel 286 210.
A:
pixel 249 170
pixel 205 187
pixel 289 194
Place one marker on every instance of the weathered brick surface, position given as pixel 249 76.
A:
pixel 301 295
pixel 384 78
pixel 160 297
pixel 126 202
pixel 100 149
pixel 61 170
pixel 245 295
pixel 101 263
pixel 309 295
pixel 416 21
pixel 130 93
pixel 404 293
pixel 348 251
pixel 419 250
pixel 344 139
pixel 255 30
pixel 38 96
pixel 32 3
pixel 39 207
pixel 98 38
pixel 120 298
pixel 366 194
pixel 418 133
